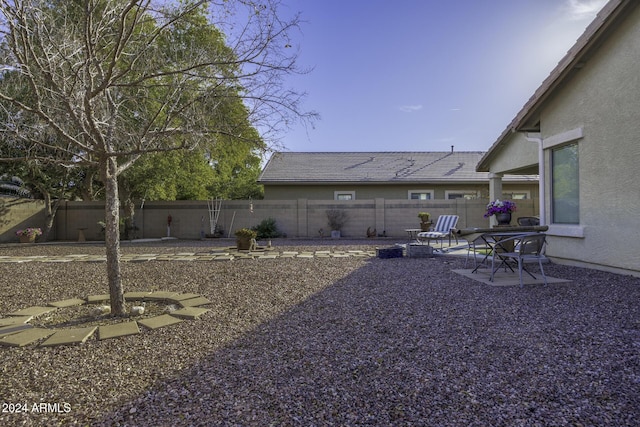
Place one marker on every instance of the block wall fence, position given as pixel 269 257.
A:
pixel 300 218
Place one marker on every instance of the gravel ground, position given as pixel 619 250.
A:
pixel 338 341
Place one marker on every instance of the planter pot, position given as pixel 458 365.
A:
pixel 243 243
pixel 503 218
pixel 425 226
pixel 27 239
pixel 335 234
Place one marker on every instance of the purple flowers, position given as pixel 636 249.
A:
pixel 500 206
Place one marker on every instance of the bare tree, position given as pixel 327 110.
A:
pixel 114 79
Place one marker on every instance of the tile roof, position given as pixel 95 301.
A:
pixel 377 167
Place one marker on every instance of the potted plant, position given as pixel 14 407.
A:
pixel 502 209
pixel 425 224
pixel 336 220
pixel 28 235
pixel 244 236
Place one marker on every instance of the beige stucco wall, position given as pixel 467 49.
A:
pixel 602 104
pixel 515 154
pixel 326 192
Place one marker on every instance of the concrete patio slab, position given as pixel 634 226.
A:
pixel 118 330
pixel 69 336
pixel 194 302
pixel 27 337
pixel 159 321
pixel 502 278
pixel 12 329
pixel 67 303
pixel 14 320
pixel 33 311
pixel 190 313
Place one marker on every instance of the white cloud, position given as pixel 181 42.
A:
pixel 584 9
pixel 409 108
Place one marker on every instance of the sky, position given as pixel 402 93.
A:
pixel 423 75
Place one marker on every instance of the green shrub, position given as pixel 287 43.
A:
pixel 267 229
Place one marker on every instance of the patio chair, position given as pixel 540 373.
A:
pixel 445 227
pixel 528 221
pixel 529 249
pixel 477 246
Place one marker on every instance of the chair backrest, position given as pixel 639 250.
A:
pixel 528 220
pixel 532 244
pixel 445 223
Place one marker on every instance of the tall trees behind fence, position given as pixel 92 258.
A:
pixel 294 218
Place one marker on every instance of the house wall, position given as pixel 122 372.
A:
pixel 515 154
pixel 296 218
pixel 326 192
pixel 603 101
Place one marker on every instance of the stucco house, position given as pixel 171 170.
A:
pixel 579 131
pixel 388 175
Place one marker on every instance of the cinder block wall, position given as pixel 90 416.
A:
pixel 295 218
pixel 16 214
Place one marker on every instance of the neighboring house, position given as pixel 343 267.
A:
pixel 388 175
pixel 580 132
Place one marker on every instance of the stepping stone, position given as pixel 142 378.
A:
pixel 305 256
pixel 181 297
pixel 193 302
pixel 33 311
pixel 15 320
pixel 190 313
pixel 159 321
pixel 27 337
pixel 12 329
pixel 129 296
pixel 160 295
pixel 268 256
pixel 118 330
pixel 224 258
pixel 69 336
pixel 92 299
pixel 58 260
pixel 67 303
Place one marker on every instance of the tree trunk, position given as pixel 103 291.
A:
pixel 112 236
pixel 51 208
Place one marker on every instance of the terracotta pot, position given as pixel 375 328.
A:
pixel 27 239
pixel 243 243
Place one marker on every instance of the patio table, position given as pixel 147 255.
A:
pixel 493 241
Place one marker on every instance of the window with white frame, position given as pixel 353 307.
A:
pixel 420 194
pixel 344 195
pixel 461 194
pixel 517 195
pixel 565 186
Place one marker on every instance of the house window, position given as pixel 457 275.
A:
pixel 420 194
pixel 344 195
pixel 462 194
pixel 521 195
pixel 565 201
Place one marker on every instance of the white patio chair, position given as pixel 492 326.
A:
pixel 445 227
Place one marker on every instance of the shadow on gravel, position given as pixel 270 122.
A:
pixel 408 342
